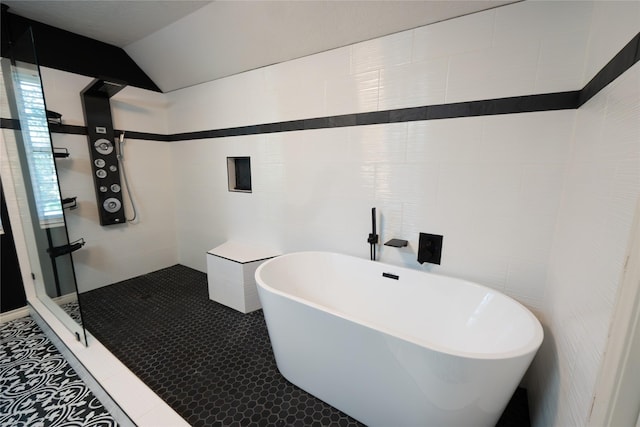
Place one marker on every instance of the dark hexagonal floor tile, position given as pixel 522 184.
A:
pixel 212 364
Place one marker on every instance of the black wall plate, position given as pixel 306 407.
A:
pixel 430 248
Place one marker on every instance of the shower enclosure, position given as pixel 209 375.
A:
pixel 40 207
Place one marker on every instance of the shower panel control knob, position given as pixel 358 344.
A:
pixel 103 146
pixel 103 189
pixel 115 188
pixel 99 163
pixel 101 173
pixel 112 205
pixel 113 168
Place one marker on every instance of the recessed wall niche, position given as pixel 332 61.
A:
pixel 239 174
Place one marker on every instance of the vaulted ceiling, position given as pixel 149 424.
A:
pixel 183 43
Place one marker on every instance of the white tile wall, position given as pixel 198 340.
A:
pixel 520 49
pixel 377 143
pixel 497 72
pixel 613 25
pixel 297 98
pixel 352 93
pixel 381 52
pixel 140 110
pixel 235 101
pixel 116 253
pixel 601 190
pixel 492 185
pixel 533 20
pixel 469 33
pixel 413 85
pixel 437 140
pixel 561 60
pixel 480 180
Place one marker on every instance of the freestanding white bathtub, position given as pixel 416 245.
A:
pixel 409 349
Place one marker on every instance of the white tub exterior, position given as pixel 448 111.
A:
pixel 422 350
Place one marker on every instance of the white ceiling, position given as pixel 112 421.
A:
pixel 183 43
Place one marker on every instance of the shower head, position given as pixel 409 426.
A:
pixel 104 88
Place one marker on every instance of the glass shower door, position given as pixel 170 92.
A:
pixel 34 171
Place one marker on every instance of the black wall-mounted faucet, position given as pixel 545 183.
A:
pixel 397 243
pixel 373 236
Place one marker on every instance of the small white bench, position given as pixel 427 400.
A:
pixel 230 273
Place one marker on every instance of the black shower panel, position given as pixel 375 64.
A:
pixel 102 148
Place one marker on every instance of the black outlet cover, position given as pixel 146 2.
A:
pixel 430 248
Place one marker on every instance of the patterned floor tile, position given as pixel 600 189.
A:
pixel 37 385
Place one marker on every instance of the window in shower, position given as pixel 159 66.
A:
pixel 31 110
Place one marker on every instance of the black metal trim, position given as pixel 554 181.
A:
pixel 70 203
pixel 57 251
pixel 61 152
pixel 241 262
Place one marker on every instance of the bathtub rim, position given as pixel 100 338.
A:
pixel 529 349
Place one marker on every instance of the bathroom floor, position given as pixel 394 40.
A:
pixel 211 364
pixel 37 385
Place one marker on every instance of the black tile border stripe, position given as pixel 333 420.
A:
pixel 10 124
pixel 82 130
pixel 68 129
pixel 144 135
pixel 516 104
pixel 625 59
